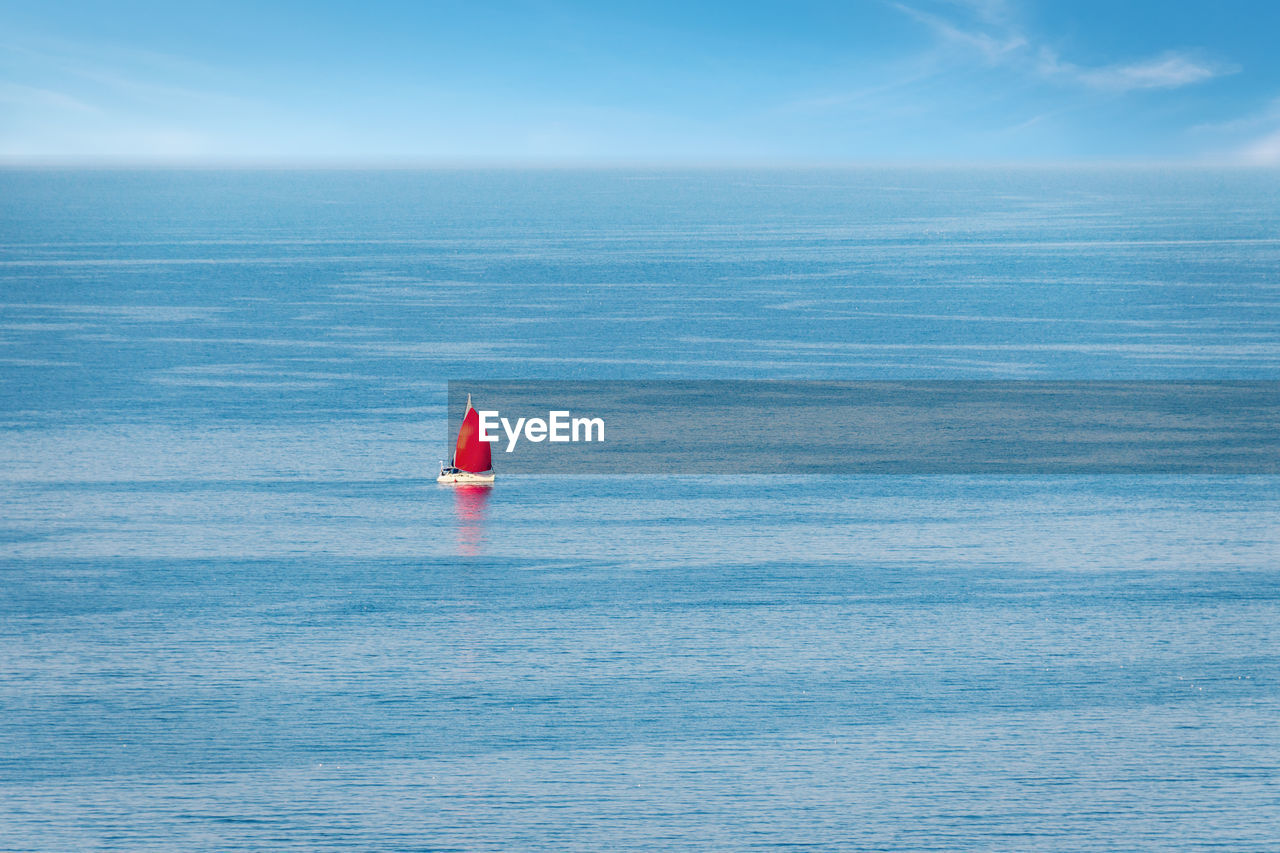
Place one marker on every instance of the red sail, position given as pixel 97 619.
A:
pixel 472 454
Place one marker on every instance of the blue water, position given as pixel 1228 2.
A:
pixel 237 613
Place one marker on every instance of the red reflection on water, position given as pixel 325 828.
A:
pixel 469 503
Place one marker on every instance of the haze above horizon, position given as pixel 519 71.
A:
pixel 566 83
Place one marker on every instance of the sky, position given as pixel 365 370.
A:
pixel 547 82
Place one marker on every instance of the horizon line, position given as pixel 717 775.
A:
pixel 514 164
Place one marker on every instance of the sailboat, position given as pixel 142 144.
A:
pixel 472 462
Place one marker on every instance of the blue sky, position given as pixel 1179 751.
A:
pixel 552 82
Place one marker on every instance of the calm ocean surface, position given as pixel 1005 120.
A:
pixel 237 613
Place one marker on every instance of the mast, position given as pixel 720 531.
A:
pixel 453 460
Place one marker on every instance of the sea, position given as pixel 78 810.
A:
pixel 237 613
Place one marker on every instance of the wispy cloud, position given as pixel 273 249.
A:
pixel 69 98
pixel 874 95
pixel 1264 151
pixel 1001 41
pixel 1252 139
pixel 1262 147
pixel 1266 117
pixel 994 48
pixel 21 94
pixel 116 71
pixel 1170 70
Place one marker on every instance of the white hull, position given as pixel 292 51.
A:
pixel 454 477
